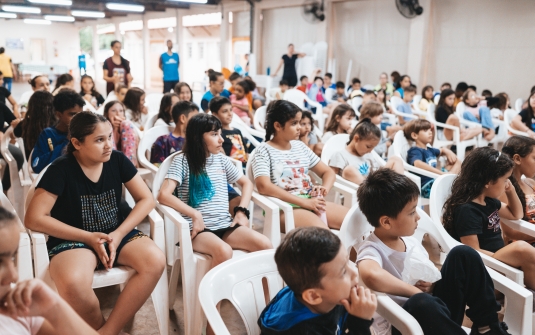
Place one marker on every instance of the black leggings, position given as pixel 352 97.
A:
pixel 465 282
pixel 17 154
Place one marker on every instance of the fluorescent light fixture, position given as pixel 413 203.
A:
pixel 125 7
pixel 190 1
pixel 53 2
pixel 22 9
pixel 85 13
pixel 8 15
pixel 36 21
pixel 61 18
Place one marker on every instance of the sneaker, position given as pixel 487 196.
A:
pixel 495 329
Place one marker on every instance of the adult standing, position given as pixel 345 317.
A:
pixel 169 62
pixel 7 68
pixel 116 69
pixel 384 84
pixel 290 73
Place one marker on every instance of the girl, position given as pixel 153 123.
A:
pixel 340 123
pixel 199 177
pixel 164 115
pixel 521 151
pixel 89 92
pixel 40 115
pixel 119 93
pixel 404 82
pixel 63 81
pixel 78 204
pixel 355 162
pixel 184 92
pixel 217 87
pixel 445 114
pixel 395 76
pixel 240 104
pixel 136 111
pixel 427 98
pixel 381 98
pixel 307 135
pixel 280 168
pixel 525 120
pixel 498 105
pixel 472 212
pixel 125 137
pixel 477 111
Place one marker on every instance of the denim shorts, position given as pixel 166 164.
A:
pixel 70 245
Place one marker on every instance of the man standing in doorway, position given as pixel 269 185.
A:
pixel 7 68
pixel 169 62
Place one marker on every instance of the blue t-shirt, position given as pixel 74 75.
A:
pixel 170 66
pixel 49 146
pixel 208 96
pixel 428 156
pixel 405 108
pixel 401 92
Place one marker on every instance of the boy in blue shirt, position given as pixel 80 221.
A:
pixel 425 157
pixel 169 62
pixel 52 140
pixel 405 107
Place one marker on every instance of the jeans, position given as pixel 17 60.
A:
pixel 17 155
pixel 7 83
pixel 465 282
pixel 168 86
pixel 485 119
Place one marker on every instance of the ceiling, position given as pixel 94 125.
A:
pixel 97 5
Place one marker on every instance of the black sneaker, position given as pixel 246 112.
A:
pixel 495 329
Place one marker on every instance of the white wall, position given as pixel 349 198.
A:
pixel 61 36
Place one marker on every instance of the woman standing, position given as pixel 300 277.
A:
pixel 290 73
pixel 116 69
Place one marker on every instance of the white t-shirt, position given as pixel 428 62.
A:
pixel 20 326
pixel 364 164
pixel 139 123
pixel 221 172
pixel 326 136
pixel 287 169
pixel 161 122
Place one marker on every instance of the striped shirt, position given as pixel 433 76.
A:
pixel 287 169
pixel 221 172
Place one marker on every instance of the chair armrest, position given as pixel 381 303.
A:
pixel 516 132
pixel 157 232
pixel 391 118
pixel 349 193
pixel 469 123
pixel 397 316
pixel 272 228
pixel 447 126
pixel 411 116
pixel 289 223
pixel 510 272
pixel 421 114
pixel 238 164
pixel 521 225
pixel 24 257
pixel 40 254
pixel 422 172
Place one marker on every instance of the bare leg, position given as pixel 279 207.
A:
pixel 489 134
pixel 392 130
pixel 303 218
pixel 317 148
pixel 454 168
pixel 452 120
pixel 335 214
pixel 395 163
pixel 244 238
pixel 520 255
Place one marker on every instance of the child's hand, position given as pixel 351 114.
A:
pixel 362 303
pixel 117 120
pixel 96 242
pixel 450 156
pixel 316 205
pixel 28 298
pixel 197 225
pixel 317 190
pixel 509 187
pixel 424 286
pixel 241 219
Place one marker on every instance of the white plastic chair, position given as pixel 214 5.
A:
pixel 89 107
pixel 25 98
pixel 508 117
pixel 103 278
pixel 31 173
pixel 356 102
pixel 260 119
pixel 437 99
pixel 271 94
pixel 329 92
pixel 153 101
pixel 395 102
pixel 150 122
pixel 298 97
pixel 518 104
pixel 247 132
pixel 193 265
pixel 500 137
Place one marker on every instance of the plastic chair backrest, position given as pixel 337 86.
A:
pixel 509 115
pixel 25 97
pixel 459 110
pixel 145 145
pixel 355 228
pixel 431 113
pixel 150 122
pixel 297 97
pixel 440 192
pixel 518 104
pixel 260 118
pixel 416 101
pixel 329 92
pixel 395 101
pixel 31 191
pixel 197 98
pixel 89 107
pixel 271 94
pixel 401 145
pixel 162 174
pixel 356 102
pixel 437 98
pixel 153 101
pixel 246 131
pixel 334 144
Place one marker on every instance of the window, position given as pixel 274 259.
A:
pixel 189 48
pixel 201 50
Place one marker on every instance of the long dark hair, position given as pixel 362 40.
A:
pixel 178 88
pixel 529 109
pixel 365 129
pixel 280 111
pixel 522 146
pixel 482 166
pixel 339 112
pixel 442 101
pixel 40 115
pixel 427 87
pixel 131 101
pixel 165 107
pixel 82 125
pixel 62 80
pixel 94 92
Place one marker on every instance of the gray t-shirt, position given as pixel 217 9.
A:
pixel 312 138
pixel 364 164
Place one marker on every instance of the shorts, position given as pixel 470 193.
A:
pixel 168 86
pixel 426 189
pixel 221 232
pixel 232 193
pixel 70 245
pixel 304 196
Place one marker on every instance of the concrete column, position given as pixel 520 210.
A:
pixel 180 40
pixel 257 38
pixel 118 35
pixel 146 53
pixel 223 36
pixel 98 70
pixel 419 42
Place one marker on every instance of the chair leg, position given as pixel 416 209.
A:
pixel 169 228
pixel 173 282
pixel 160 300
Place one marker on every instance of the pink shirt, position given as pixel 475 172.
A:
pixel 243 102
pixel 475 110
pixel 20 326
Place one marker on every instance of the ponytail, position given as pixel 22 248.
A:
pixel 365 129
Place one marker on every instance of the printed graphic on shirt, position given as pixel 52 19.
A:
pixel 530 207
pixel 99 212
pixel 494 221
pixel 238 149
pixel 432 161
pixel 119 72
pixel 294 177
pixel 364 169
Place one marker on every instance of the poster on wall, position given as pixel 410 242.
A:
pixel 14 43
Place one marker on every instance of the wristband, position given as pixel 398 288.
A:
pixel 243 210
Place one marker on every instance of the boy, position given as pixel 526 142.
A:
pixel 425 157
pixel 165 145
pixel 5 94
pixel 52 140
pixel 233 143
pixel 367 97
pixel 389 200
pixel 374 111
pixel 283 85
pixel 304 84
pixel 30 307
pixel 405 107
pixel 355 88
pixel 340 94
pixel 322 296
pixel 328 81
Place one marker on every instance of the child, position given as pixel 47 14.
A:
pixel 425 157
pixel 322 295
pixel 315 91
pixel 63 81
pixel 89 92
pixel 306 134
pixel 355 88
pixel 405 106
pixel 404 83
pixel 234 78
pixel 355 162
pixel 368 96
pixel 233 142
pixel 340 94
pixel 125 137
pixel 340 123
pixel 525 120
pixel 445 86
pixel 217 87
pixel 384 84
pixel 164 115
pixel 240 104
pixel 459 91
pixel 486 93
pixel 280 169
pixel 328 81
pixel 78 204
pixel 283 85
pixel 196 187
pixel 120 92
pixel 136 111
pixel 389 201
pixel 30 307
pixel 165 145
pixel 374 111
pixel 477 111
pixel 5 94
pixel 184 92
pixel 445 114
pixel 427 98
pixel 472 212
pixel 53 140
pixel 304 84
